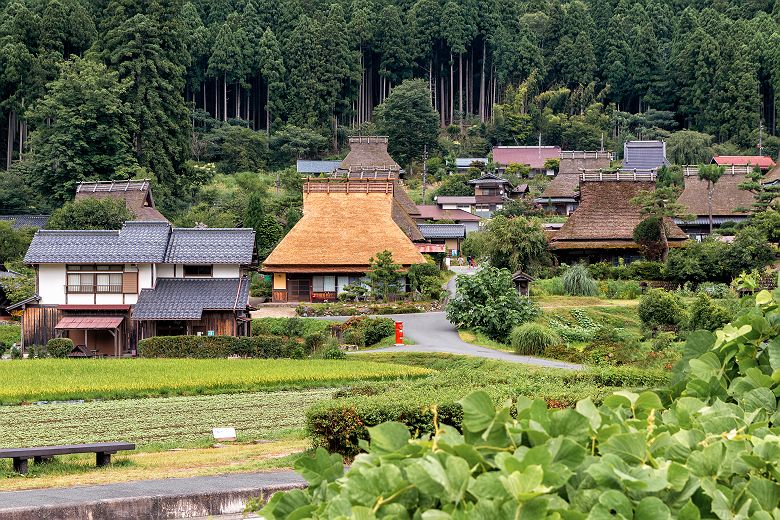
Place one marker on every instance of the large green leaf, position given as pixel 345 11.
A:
pixel 652 508
pixel 478 411
pixel 631 447
pixel 322 467
pixel 388 437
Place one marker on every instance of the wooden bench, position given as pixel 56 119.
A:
pixel 103 451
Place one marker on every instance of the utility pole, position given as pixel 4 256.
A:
pixel 425 171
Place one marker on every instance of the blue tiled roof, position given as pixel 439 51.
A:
pixel 210 246
pixel 442 230
pixel 187 298
pixel 304 166
pixel 20 221
pixel 644 155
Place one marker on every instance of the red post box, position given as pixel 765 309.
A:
pixel 399 333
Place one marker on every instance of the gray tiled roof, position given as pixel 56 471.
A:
pixel 317 166
pixel 20 221
pixel 136 242
pixel 466 162
pixel 210 246
pixel 644 155
pixel 442 230
pixel 187 298
pixel 8 274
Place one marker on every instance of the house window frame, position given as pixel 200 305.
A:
pixel 92 278
pixel 202 271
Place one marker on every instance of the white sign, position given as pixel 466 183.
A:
pixel 224 434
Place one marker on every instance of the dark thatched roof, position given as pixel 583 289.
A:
pixel 563 186
pixel 606 218
pixel 727 198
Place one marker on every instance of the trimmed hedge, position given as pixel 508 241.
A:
pixel 339 424
pixel 221 347
pixel 293 327
pixel 59 347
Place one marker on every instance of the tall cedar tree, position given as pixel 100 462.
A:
pixel 83 129
pixel 144 43
pixel 272 70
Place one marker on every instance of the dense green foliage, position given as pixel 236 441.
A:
pixel 13 243
pixel 384 278
pixel 517 244
pixel 578 282
pixel 90 213
pixel 220 347
pixel 704 314
pixel 661 309
pixel 703 447
pixel 489 303
pixel 532 339
pixel 59 347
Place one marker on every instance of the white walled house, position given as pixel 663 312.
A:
pixel 106 290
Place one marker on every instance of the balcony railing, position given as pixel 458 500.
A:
pixel 93 289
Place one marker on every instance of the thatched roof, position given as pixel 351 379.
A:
pixel 726 196
pixel 772 175
pixel 574 162
pixel 606 218
pixel 563 186
pixel 340 232
pixel 137 195
pixel 368 152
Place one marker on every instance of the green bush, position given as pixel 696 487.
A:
pixel 354 336
pixel 564 352
pixel 605 271
pixel 704 314
pixel 333 352
pixel 36 352
pixel 532 339
pixel 314 341
pixel 645 270
pixel 377 329
pixel 489 303
pixel 578 282
pixel 16 353
pixel 220 347
pixel 715 290
pixel 295 327
pixel 548 287
pixel 661 309
pixel 59 347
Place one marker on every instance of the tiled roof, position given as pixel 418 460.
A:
pixel 489 178
pixel 136 242
pixel 466 162
pixel 727 198
pixel 762 161
pixel 316 166
pixel 187 298
pixel 644 155
pixel 443 230
pixel 533 156
pixel 606 217
pixel 20 221
pixel 8 274
pixel 453 199
pixel 434 212
pixel 210 246
pixel 142 242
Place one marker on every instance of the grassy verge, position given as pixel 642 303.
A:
pixel 80 470
pixel 390 342
pixel 63 379
pixel 480 340
pixel 553 302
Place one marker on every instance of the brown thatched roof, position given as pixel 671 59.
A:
pixel 137 195
pixel 340 232
pixel 606 218
pixel 368 152
pixel 772 176
pixel 573 162
pixel 726 196
pixel 563 186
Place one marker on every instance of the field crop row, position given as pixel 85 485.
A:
pixel 174 421
pixel 61 379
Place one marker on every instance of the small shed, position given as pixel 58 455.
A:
pixel 522 283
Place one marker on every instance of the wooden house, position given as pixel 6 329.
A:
pixel 345 223
pixel 763 162
pixel 534 157
pixel 137 195
pixel 602 227
pixel 108 289
pixel 561 196
pixel 433 214
pixel 729 202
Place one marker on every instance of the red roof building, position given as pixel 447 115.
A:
pixel 762 161
pixel 532 156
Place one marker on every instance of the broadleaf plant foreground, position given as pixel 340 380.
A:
pixel 706 447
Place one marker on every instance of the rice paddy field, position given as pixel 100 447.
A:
pixel 26 381
pixel 158 423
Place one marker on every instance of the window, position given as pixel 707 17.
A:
pixel 324 283
pixel 91 278
pixel 193 271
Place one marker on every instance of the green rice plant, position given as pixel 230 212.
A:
pixel 531 339
pixel 577 281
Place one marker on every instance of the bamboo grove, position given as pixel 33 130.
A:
pixel 158 67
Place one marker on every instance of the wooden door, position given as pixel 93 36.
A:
pixel 298 289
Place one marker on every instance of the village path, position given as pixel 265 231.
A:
pixel 431 332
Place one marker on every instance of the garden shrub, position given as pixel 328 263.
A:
pixel 489 303
pixel 300 327
pixel 645 270
pixel 377 329
pixel 604 271
pixel 220 347
pixel 314 341
pixel 354 336
pixel 532 339
pixel 59 347
pixel 333 352
pixel 704 314
pixel 578 282
pixel 36 352
pixel 715 290
pixel 661 309
pixel 564 352
pixel 548 287
pixel 582 329
pixel 16 353
pixel 663 341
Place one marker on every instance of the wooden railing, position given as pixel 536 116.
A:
pixel 635 175
pixel 93 289
pixel 693 170
pixel 347 186
pixel 368 172
pixel 586 155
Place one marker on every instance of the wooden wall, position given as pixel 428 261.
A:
pixel 38 324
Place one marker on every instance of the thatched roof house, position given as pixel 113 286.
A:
pixel 562 195
pixel 137 195
pixel 602 227
pixel 345 223
pixel 729 202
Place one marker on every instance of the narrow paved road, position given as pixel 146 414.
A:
pixel 431 332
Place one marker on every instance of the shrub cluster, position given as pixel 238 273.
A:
pixel 59 347
pixel 533 339
pixel 364 331
pixel 221 347
pixel 704 314
pixel 659 309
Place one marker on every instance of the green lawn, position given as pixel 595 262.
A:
pixel 61 379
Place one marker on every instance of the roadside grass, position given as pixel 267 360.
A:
pixel 389 341
pixel 10 334
pixel 157 424
pixel 80 470
pixel 67 379
pixel 480 340
pixel 553 302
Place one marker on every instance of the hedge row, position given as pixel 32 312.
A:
pixel 339 424
pixel 221 347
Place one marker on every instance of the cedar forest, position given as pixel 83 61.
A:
pixel 108 89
